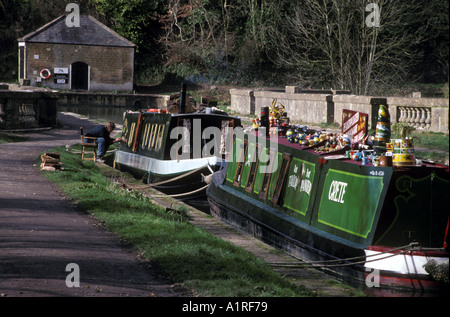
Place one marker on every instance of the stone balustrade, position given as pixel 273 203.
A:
pixel 428 114
pixel 326 106
pixel 419 118
pixel 31 107
pixel 27 109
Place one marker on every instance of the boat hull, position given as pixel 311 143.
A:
pixel 338 213
pixel 174 153
pixel 180 179
pixel 263 231
pixel 369 278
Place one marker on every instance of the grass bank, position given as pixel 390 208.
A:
pixel 189 255
pixel 11 137
pixel 429 145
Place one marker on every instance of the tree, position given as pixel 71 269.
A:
pixel 135 20
pixel 434 61
pixel 138 22
pixel 329 43
pixel 197 34
pixel 221 40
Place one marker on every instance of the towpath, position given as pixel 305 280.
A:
pixel 42 231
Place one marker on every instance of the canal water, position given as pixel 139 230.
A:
pixel 114 114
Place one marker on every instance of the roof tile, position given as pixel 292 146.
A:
pixel 90 32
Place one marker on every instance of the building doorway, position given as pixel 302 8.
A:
pixel 80 76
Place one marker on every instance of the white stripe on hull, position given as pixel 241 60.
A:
pixel 163 167
pixel 399 263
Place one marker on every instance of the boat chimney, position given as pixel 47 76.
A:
pixel 265 121
pixel 183 99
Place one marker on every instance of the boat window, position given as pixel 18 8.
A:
pixel 285 161
pixel 240 165
pixel 152 136
pixel 125 130
pixel 143 136
pixel 131 137
pixel 149 136
pixel 137 133
pixel 161 129
pixel 146 134
pixel 267 175
pixel 252 171
pixel 226 137
pixel 186 138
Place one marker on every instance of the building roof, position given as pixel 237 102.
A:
pixel 90 32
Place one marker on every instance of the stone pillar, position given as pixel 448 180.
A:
pixel 24 110
pixel 243 101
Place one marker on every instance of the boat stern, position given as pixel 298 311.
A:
pixel 408 268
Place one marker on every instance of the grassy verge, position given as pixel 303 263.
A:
pixel 439 157
pixel 189 255
pixel 429 145
pixel 9 137
pixel 430 140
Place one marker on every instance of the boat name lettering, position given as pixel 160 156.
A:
pixel 293 181
pixel 305 183
pixel 305 186
pixel 337 191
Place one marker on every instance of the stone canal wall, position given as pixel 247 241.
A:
pixel 23 107
pixel 325 106
pixel 27 109
pixel 100 99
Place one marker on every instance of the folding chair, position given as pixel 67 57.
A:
pixel 85 145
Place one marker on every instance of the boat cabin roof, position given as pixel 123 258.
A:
pixel 340 154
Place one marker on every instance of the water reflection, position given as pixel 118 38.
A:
pixel 114 114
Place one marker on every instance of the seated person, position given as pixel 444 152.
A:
pixel 103 139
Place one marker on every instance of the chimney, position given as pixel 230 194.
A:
pixel 183 99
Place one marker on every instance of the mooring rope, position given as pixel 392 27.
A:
pixel 166 181
pixel 328 263
pixel 179 195
pixel 178 177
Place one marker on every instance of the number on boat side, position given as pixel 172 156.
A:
pixel 377 173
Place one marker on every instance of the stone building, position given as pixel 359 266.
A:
pixel 89 57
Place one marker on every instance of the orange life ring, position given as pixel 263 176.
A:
pixel 157 110
pixel 45 70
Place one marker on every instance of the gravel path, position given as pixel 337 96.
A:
pixel 41 232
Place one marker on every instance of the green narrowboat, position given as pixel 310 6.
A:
pixel 379 227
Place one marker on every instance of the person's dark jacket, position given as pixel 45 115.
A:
pixel 100 132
